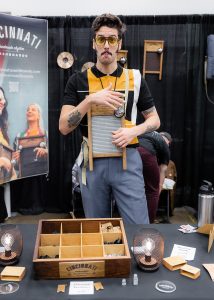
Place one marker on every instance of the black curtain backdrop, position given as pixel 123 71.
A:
pixel 180 100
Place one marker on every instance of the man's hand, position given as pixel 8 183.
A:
pixel 71 116
pixel 122 137
pixel 107 97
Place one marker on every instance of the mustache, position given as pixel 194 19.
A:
pixel 104 52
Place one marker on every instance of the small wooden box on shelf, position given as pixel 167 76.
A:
pixel 81 248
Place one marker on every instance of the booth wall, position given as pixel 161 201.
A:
pixel 180 99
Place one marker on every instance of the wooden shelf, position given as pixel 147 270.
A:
pixel 153 57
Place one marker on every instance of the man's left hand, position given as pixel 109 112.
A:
pixel 122 137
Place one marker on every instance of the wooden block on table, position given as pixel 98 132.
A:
pixel 190 271
pixel 98 286
pixel 211 239
pixel 205 229
pixel 107 227
pixel 13 273
pixel 210 269
pixel 173 262
pixel 61 288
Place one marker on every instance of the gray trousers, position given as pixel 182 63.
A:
pixel 108 180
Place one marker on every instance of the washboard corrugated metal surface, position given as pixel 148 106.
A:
pixel 101 123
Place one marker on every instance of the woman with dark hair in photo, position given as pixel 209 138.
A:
pixel 7 171
pixel 4 139
pixel 6 168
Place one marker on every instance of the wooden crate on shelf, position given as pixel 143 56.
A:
pixel 81 248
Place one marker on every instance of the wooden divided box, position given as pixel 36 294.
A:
pixel 81 248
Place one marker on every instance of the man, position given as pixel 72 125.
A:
pixel 155 154
pixel 104 84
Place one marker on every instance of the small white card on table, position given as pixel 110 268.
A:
pixel 81 288
pixel 188 253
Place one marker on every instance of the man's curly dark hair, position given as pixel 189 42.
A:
pixel 111 21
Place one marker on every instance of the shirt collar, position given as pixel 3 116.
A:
pixel 98 73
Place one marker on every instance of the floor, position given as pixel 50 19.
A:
pixel 181 215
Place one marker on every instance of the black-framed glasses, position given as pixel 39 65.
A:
pixel 112 40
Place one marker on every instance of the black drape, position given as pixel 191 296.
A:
pixel 180 100
pixel 3 210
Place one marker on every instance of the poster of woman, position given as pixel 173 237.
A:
pixel 23 97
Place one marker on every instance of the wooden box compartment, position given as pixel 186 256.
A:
pixel 81 248
pixel 49 239
pixel 70 252
pixel 115 250
pixel 92 239
pixel 49 251
pixel 71 239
